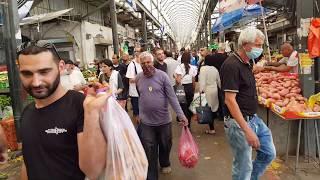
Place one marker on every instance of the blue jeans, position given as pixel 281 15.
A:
pixel 243 168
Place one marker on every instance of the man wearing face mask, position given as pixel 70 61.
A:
pixel 155 125
pixel 244 129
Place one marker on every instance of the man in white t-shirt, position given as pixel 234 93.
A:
pixel 289 62
pixel 171 66
pixel 134 68
pixel 72 79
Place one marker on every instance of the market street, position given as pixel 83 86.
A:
pixel 215 160
pixel 159 90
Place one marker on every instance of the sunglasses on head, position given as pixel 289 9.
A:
pixel 39 43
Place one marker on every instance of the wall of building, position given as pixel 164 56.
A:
pixel 70 31
pixel 90 31
pixel 81 34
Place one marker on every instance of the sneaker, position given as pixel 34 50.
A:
pixel 212 132
pixel 166 170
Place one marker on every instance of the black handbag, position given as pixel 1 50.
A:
pixel 204 114
pixel 180 93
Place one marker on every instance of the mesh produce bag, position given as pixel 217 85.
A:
pixel 126 159
pixel 188 149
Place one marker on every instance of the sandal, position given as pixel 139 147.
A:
pixel 212 132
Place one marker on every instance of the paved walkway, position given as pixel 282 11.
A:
pixel 216 159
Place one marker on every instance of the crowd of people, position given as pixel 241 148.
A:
pixel 61 134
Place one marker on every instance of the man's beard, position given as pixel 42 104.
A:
pixel 47 90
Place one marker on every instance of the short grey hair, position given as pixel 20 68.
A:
pixel 145 55
pixel 249 35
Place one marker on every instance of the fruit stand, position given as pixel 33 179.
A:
pixel 6 116
pixel 4 82
pixel 284 109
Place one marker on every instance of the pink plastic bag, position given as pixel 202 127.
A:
pixel 188 149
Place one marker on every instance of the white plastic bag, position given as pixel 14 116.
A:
pixel 126 159
pixel 196 102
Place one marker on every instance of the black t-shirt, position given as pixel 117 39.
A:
pixel 125 81
pixel 216 60
pixel 163 67
pixel 237 76
pixel 122 69
pixel 49 138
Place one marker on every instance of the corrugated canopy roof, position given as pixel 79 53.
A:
pixel 184 17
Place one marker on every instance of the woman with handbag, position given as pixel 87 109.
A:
pixel 209 81
pixel 185 74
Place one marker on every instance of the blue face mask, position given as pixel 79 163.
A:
pixel 254 53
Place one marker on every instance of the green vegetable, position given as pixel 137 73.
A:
pixel 4 101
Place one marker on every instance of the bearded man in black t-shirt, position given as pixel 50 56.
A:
pixel 60 131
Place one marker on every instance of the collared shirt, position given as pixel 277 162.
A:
pixel 237 77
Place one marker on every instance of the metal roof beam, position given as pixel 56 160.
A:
pixel 96 9
pixel 144 9
pixel 161 14
pixel 182 3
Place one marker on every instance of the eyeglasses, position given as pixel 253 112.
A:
pixel 39 43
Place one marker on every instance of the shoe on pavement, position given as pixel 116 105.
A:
pixel 212 132
pixel 166 170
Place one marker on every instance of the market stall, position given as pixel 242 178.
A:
pixel 284 109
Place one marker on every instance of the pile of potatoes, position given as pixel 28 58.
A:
pixel 283 91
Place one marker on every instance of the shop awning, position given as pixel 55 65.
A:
pixel 24 8
pixel 43 17
pixel 227 20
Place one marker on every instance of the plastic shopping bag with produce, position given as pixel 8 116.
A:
pixel 126 159
pixel 196 102
pixel 188 149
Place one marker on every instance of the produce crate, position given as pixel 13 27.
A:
pixel 265 102
pixel 10 133
pixel 293 115
pixel 315 115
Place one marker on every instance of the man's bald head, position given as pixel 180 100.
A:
pixel 286 49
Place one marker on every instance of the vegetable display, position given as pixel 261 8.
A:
pixel 4 82
pixel 282 92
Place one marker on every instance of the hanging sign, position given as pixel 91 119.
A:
pixel 226 6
